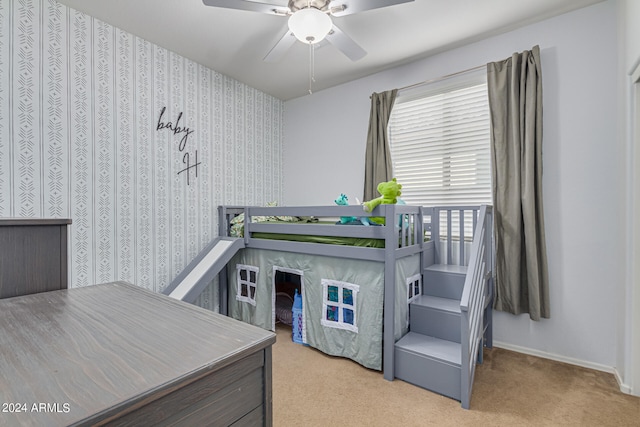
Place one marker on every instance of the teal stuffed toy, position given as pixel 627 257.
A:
pixel 344 201
pixel 390 191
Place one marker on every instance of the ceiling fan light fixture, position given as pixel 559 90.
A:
pixel 310 25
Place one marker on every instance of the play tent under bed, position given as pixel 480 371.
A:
pixel 355 279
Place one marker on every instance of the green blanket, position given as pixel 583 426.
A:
pixel 330 240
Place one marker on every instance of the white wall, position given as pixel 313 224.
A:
pixel 631 14
pixel 324 145
pixel 80 103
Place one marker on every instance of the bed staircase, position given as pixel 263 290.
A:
pixel 450 323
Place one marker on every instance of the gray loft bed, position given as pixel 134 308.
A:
pixel 402 238
pixel 449 312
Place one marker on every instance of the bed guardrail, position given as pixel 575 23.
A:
pixel 453 226
pixel 408 230
pixel 475 302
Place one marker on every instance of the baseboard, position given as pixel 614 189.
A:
pixel 556 357
pixel 624 388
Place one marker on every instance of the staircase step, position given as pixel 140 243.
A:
pixel 448 352
pixel 445 281
pixel 438 303
pixel 435 316
pixel 448 268
pixel 430 363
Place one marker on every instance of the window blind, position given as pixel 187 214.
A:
pixel 439 142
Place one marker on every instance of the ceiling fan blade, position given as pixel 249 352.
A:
pixel 348 7
pixel 252 6
pixel 345 44
pixel 277 52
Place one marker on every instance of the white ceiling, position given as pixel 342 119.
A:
pixel 233 42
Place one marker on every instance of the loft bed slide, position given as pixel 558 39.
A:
pixel 190 283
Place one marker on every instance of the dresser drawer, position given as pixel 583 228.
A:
pixel 220 398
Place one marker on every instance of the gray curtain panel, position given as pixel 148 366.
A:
pixel 378 165
pixel 515 102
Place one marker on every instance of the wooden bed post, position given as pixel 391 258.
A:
pixel 223 300
pixel 388 338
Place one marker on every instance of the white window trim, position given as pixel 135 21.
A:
pixel 340 324
pixel 247 282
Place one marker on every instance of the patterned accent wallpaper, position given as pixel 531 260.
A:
pixel 134 143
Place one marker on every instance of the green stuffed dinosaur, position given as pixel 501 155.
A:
pixel 390 191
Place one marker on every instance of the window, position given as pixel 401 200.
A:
pixel 439 142
pixel 339 305
pixel 247 278
pixel 414 290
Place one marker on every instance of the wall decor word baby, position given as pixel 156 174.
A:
pixel 185 132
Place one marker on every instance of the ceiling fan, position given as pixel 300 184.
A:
pixel 310 21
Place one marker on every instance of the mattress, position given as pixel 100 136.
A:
pixel 330 240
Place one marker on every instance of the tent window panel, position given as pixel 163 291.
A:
pixel 339 305
pixel 247 279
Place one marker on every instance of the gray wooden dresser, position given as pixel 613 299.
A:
pixel 33 255
pixel 117 354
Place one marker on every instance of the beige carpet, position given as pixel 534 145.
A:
pixel 511 389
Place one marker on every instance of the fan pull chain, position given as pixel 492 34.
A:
pixel 312 77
